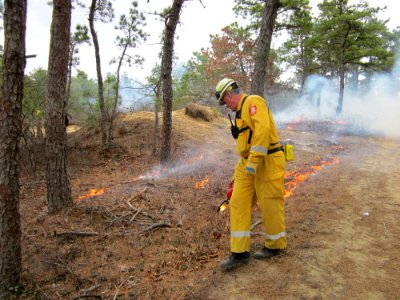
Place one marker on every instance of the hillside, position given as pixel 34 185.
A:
pixel 155 233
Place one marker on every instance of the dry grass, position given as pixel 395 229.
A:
pixel 201 112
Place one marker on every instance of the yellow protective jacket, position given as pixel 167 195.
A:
pixel 253 144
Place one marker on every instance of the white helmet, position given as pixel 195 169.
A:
pixel 223 87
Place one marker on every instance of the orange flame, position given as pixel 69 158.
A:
pixel 341 122
pixel 223 207
pixel 92 192
pixel 201 184
pixel 296 177
pixel 297 120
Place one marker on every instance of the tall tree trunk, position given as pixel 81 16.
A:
pixel 103 113
pixel 70 59
pixel 156 119
pixel 341 70
pixel 304 66
pixel 263 46
pixel 112 116
pixel 355 79
pixel 10 131
pixel 58 184
pixel 339 107
pixel 166 77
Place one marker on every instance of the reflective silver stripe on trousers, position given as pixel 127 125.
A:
pixel 275 236
pixel 259 149
pixel 239 234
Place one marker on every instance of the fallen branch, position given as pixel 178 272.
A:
pixel 137 196
pixel 155 226
pixel 255 224
pixel 137 211
pixel 75 233
pixel 118 288
pixel 147 215
pixel 130 205
pixel 118 218
pixel 135 215
pixel 90 289
pixel 88 296
pixel 257 233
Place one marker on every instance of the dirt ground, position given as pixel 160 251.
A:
pixel 156 233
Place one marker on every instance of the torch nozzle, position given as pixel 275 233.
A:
pixel 223 205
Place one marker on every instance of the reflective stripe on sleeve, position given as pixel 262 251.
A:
pixel 239 234
pixel 275 236
pixel 250 170
pixel 259 149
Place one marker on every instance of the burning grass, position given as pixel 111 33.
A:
pixel 92 192
pixel 295 177
pixel 298 124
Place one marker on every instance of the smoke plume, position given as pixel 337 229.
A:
pixel 372 107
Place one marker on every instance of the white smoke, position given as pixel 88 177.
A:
pixel 318 102
pixel 373 107
pixel 192 160
pixel 177 169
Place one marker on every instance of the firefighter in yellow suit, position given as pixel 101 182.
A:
pixel 259 174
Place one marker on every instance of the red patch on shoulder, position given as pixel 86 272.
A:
pixel 253 110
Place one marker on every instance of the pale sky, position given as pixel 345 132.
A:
pixel 197 23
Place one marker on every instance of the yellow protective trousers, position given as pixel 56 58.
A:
pixel 269 193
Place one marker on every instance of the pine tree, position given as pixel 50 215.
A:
pixel 58 183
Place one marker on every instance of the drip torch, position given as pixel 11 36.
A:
pixel 225 203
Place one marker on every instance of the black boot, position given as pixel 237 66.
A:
pixel 235 260
pixel 266 253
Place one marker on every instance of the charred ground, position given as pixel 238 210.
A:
pixel 158 237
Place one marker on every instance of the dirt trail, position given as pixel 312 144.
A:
pixel 344 236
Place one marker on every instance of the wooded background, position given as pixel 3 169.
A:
pixel 345 42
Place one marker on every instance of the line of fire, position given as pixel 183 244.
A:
pixel 293 177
